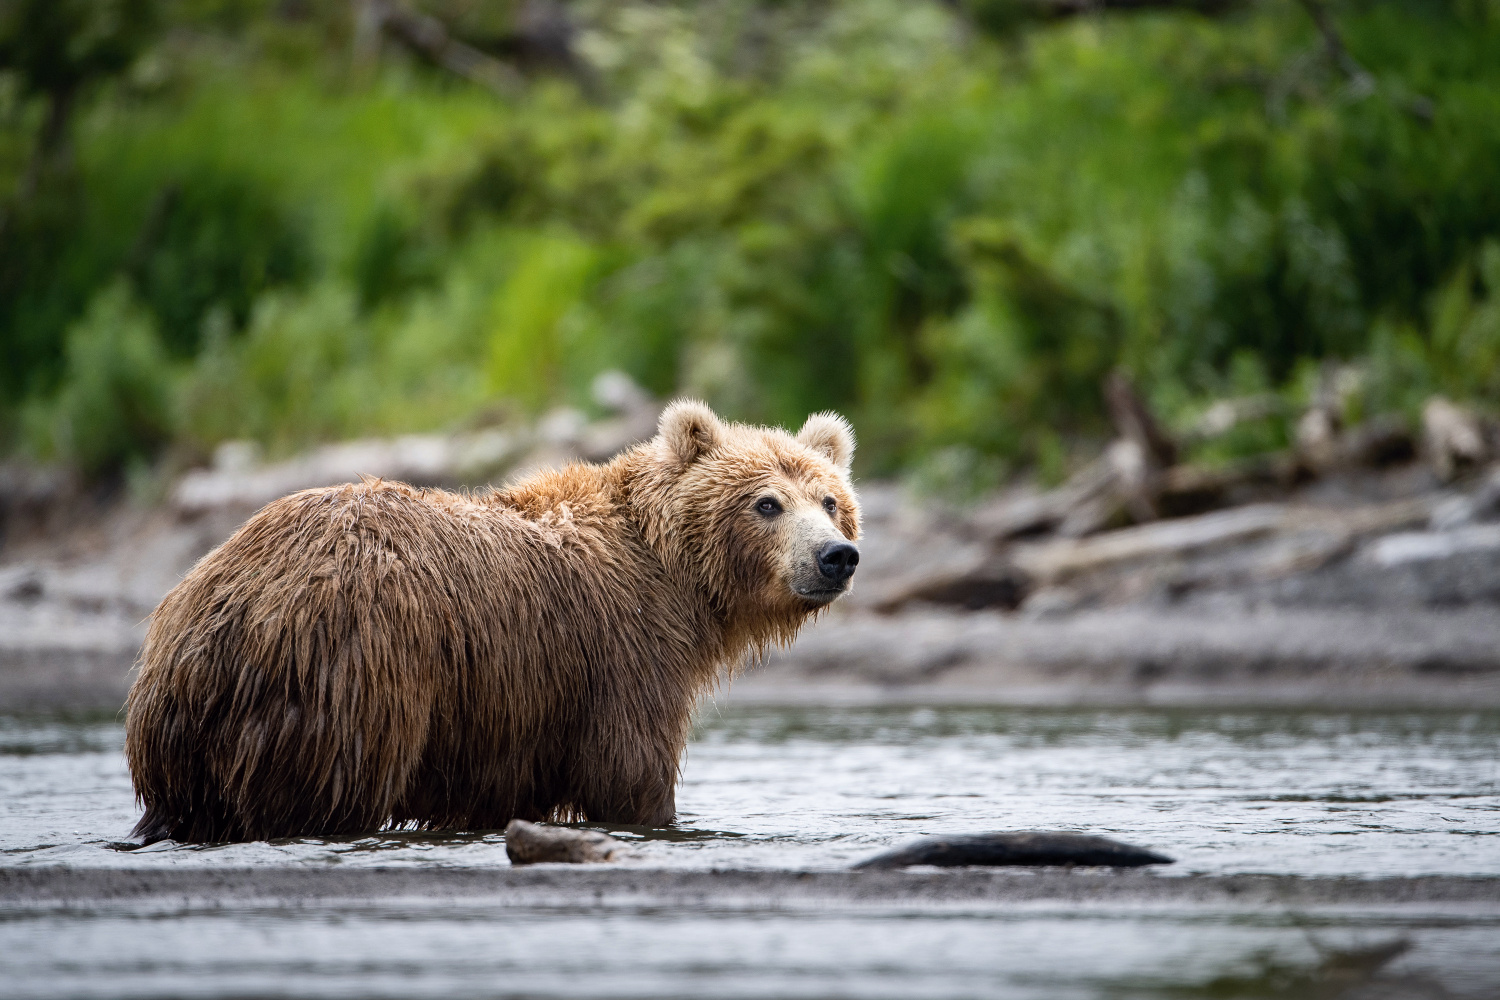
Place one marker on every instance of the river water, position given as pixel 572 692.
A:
pixel 1305 793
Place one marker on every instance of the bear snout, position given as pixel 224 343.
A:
pixel 836 561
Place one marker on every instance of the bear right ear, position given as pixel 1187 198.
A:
pixel 831 436
pixel 688 430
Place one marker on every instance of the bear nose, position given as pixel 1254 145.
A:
pixel 837 560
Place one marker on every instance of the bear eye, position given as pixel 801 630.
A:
pixel 831 505
pixel 768 506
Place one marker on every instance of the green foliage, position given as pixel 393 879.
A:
pixel 535 320
pixel 212 240
pixel 391 259
pixel 1029 355
pixel 114 405
pixel 1458 354
pixel 48 272
pixel 1464 342
pixel 309 367
pixel 57 46
pixel 950 234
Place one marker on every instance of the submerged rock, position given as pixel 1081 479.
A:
pixel 531 843
pixel 1029 848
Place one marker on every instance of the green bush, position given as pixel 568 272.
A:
pixel 535 322
pixel 212 240
pixel 1457 354
pixel 114 407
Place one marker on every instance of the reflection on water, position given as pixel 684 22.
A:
pixel 1301 793
pixel 1311 793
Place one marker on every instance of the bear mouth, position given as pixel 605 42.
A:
pixel 822 595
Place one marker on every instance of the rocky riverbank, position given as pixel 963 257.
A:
pixel 1381 590
pixel 1353 580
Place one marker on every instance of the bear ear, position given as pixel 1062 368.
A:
pixel 688 430
pixel 829 435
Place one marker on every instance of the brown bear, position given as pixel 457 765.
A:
pixel 376 655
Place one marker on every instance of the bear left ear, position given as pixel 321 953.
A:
pixel 688 430
pixel 831 436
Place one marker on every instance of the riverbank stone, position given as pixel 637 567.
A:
pixel 532 843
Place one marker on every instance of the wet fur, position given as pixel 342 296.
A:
pixel 373 655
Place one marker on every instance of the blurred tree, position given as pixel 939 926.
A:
pixel 948 219
pixel 58 47
pixel 54 50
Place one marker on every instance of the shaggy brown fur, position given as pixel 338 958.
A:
pixel 374 655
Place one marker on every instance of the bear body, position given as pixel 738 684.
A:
pixel 372 655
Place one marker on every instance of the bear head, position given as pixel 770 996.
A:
pixel 761 522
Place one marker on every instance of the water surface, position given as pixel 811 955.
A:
pixel 1310 793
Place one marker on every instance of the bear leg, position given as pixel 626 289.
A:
pixel 636 793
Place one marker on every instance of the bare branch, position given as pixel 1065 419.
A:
pixel 1360 79
pixel 1075 8
pixel 430 37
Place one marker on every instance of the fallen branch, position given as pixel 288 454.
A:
pixel 430 37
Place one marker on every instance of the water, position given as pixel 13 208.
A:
pixel 1308 793
pixel 1292 793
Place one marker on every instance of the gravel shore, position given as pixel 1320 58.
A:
pixel 559 886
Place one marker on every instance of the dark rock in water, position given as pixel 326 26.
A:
pixel 1028 848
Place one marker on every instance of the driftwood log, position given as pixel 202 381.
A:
pixel 1272 540
pixel 1137 506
